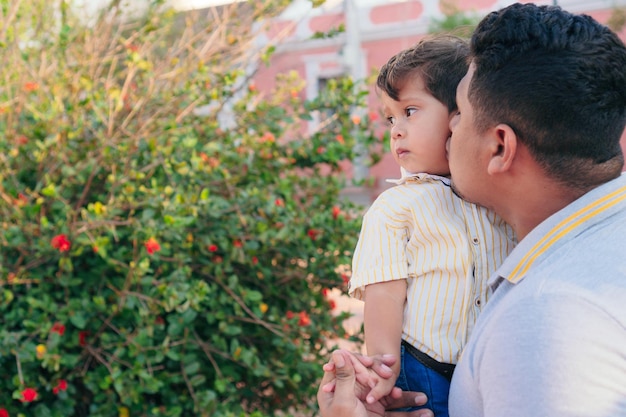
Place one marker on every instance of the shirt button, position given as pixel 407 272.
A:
pixel 475 240
pixel 477 302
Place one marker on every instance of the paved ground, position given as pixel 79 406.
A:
pixel 353 324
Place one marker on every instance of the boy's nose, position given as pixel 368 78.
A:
pixel 398 131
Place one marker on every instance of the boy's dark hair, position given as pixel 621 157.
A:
pixel 441 62
pixel 559 81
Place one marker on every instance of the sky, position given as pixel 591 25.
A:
pixel 197 4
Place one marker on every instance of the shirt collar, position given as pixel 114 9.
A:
pixel 406 176
pixel 562 227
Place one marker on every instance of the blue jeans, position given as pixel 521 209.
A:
pixel 417 377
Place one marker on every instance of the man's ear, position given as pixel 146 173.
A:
pixel 504 148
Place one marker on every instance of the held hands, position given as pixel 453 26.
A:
pixel 346 385
pixel 378 373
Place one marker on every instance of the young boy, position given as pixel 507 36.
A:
pixel 424 255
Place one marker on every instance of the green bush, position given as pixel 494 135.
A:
pixel 152 262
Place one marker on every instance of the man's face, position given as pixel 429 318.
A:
pixel 467 161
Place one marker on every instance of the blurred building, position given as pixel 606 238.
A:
pixel 374 31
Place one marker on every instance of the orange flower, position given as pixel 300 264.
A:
pixel 356 119
pixel 21 200
pixel 31 86
pixel 339 138
pixel 29 395
pixel 336 212
pixel 304 319
pixel 152 245
pixel 61 242
pixel 268 137
pixel 252 87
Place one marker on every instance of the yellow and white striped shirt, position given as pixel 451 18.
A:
pixel 445 247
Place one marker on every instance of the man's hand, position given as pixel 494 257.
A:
pixel 341 394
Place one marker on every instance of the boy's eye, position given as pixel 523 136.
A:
pixel 410 111
pixel 391 120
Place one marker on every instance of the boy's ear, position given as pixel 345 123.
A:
pixel 503 149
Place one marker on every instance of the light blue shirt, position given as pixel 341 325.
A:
pixel 552 339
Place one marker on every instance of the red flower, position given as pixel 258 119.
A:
pixel 279 202
pixel 61 242
pixel 212 248
pixel 304 320
pixel 312 233
pixel 4 412
pixel 61 386
pixel 82 338
pixel 255 260
pixel 238 243
pixel 332 304
pixel 289 314
pixel 58 328
pixel 29 395
pixel 325 292
pixel 340 139
pixel 336 212
pixel 152 245
pixel 373 115
pixel 345 278
pixel 321 150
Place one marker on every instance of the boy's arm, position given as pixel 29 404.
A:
pixel 383 312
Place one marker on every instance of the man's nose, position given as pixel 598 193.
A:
pixel 453 122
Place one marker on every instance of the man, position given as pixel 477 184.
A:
pixel 541 112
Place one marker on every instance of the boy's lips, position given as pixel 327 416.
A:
pixel 401 152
